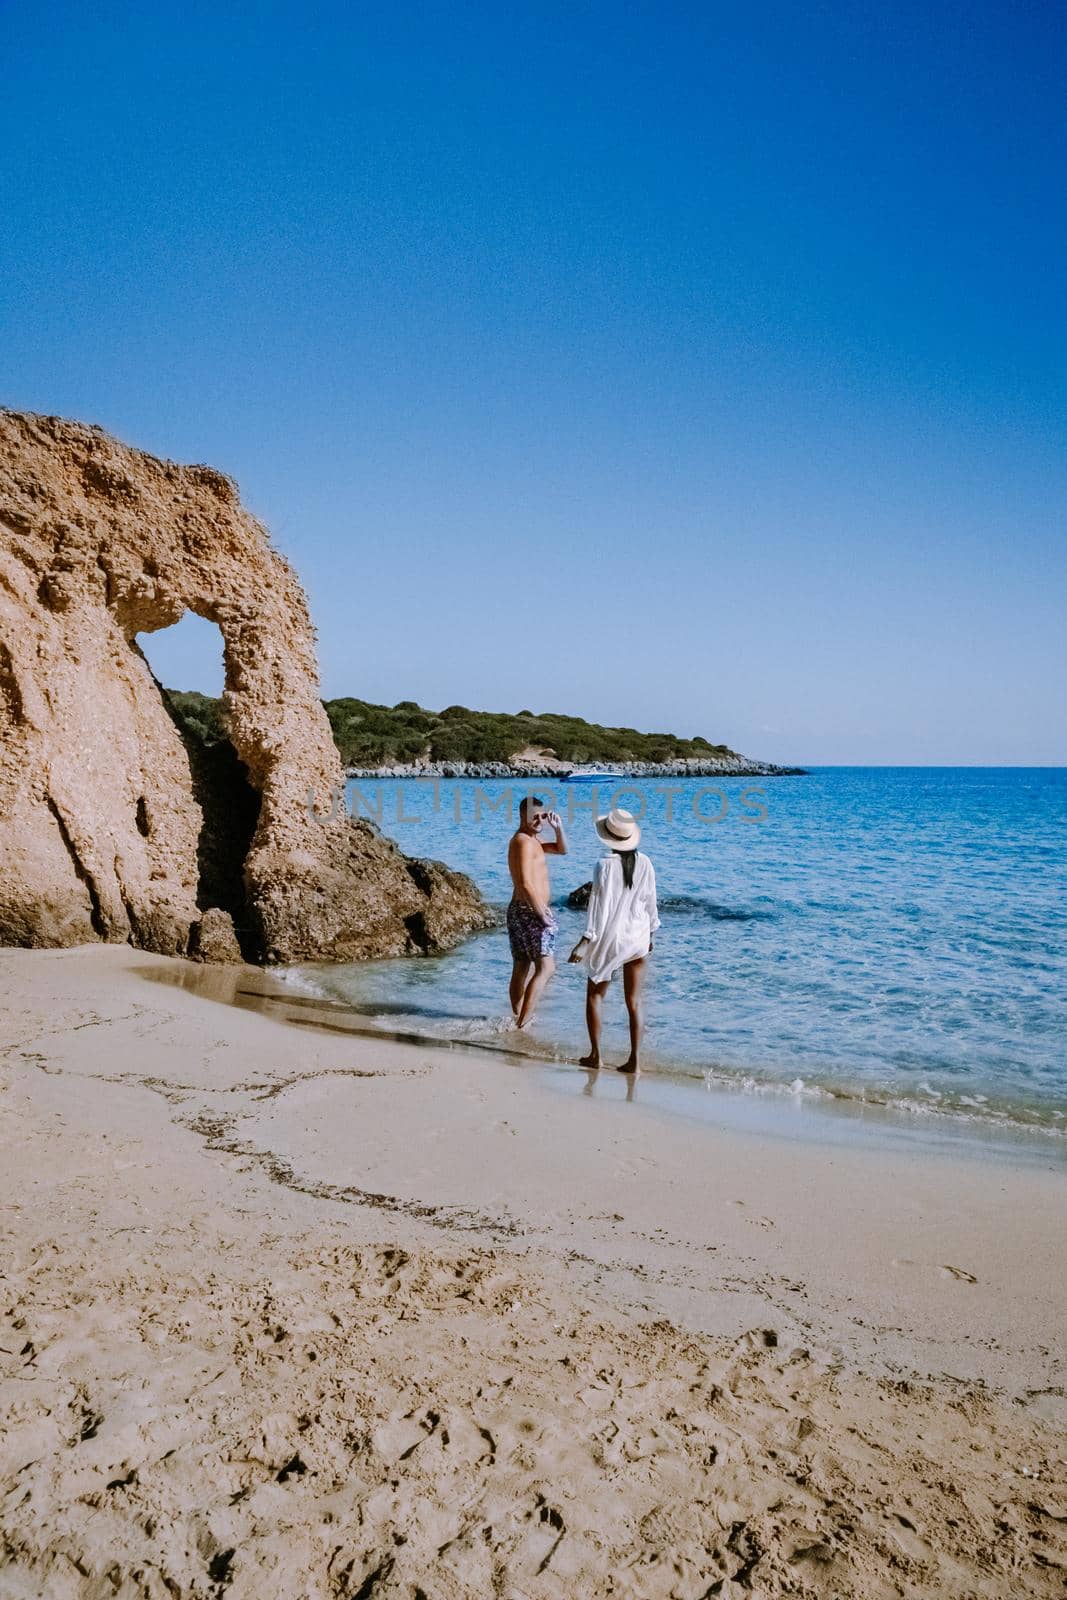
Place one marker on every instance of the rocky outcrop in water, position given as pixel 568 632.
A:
pixel 116 822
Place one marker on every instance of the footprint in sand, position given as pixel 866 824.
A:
pixel 960 1274
pixel 545 1536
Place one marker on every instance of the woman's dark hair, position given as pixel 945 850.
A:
pixel 629 862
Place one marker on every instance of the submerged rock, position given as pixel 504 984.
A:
pixel 117 822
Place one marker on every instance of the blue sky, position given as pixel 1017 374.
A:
pixel 695 367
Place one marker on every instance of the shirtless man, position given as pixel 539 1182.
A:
pixel 532 924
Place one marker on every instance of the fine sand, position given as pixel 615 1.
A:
pixel 289 1313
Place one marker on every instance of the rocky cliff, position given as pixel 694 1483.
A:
pixel 115 822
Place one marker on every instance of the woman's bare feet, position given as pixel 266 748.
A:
pixel 630 1065
pixel 592 1061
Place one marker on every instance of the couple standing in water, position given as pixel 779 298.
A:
pixel 620 920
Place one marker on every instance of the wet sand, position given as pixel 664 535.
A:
pixel 289 1310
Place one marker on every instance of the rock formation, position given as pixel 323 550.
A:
pixel 116 822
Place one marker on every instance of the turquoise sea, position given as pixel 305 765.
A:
pixel 892 935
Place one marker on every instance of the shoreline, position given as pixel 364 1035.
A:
pixel 884 941
pixel 1018 1125
pixel 767 1108
pixel 741 767
pixel 318 1313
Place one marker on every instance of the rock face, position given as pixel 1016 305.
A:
pixel 116 823
pixel 213 938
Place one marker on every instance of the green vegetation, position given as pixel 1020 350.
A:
pixel 199 712
pixel 370 736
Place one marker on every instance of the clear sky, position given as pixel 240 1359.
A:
pixel 699 367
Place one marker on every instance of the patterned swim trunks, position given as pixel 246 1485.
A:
pixel 528 935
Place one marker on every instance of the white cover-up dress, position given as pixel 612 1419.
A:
pixel 620 922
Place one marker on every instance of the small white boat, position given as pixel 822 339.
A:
pixel 593 775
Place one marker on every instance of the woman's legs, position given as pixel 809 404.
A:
pixel 633 980
pixel 594 1005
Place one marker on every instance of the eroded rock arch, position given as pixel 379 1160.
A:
pixel 104 806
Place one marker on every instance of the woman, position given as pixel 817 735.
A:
pixel 618 933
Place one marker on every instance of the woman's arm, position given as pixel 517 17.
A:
pixel 592 915
pixel 650 899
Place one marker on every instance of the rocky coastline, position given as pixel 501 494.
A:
pixel 727 767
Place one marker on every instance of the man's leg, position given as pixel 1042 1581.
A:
pixel 520 973
pixel 633 979
pixel 543 968
pixel 594 1006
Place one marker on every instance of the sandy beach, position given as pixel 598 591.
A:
pixel 533 803
pixel 292 1313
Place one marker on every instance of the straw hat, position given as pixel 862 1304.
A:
pixel 619 829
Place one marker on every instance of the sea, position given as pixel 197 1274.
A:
pixel 888 936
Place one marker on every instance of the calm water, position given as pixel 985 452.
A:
pixel 895 934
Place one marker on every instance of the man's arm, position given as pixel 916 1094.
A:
pixel 558 847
